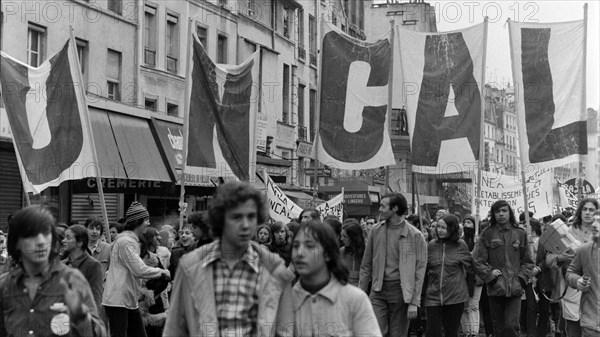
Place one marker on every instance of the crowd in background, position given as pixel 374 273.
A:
pixel 391 273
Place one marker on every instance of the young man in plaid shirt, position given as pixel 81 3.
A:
pixel 230 287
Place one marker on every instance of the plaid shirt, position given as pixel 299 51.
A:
pixel 236 294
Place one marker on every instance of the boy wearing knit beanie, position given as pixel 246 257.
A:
pixel 122 290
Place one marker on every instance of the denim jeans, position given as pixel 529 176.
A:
pixel 505 312
pixel 390 310
pixel 572 328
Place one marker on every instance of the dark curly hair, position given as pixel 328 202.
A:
pixel 356 236
pixel 94 221
pixel 29 222
pixel 326 237
pixel 397 199
pixel 229 196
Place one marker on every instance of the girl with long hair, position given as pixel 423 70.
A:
pixel 447 259
pixel 343 309
pixel 263 235
pixel 354 247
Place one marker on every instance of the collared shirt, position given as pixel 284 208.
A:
pixel 22 316
pixel 236 295
pixel 335 310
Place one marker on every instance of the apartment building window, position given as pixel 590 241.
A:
pixel 286 95
pixel 151 103
pixel 312 35
pixel 301 88
pixel 287 17
pixel 172 42
pixel 202 36
pixel 301 50
pixel 115 6
pixel 113 75
pixel 312 110
pixel 172 109
pixel 150 26
pixel 82 54
pixel 222 49
pixel 36 45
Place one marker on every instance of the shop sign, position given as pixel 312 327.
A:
pixel 305 149
pixel 117 185
pixel 353 198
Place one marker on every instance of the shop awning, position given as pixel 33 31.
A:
pixel 126 148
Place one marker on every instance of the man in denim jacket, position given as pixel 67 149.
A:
pixel 503 261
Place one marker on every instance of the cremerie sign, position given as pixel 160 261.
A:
pixel 118 185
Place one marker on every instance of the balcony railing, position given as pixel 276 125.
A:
pixel 313 59
pixel 150 57
pixel 301 53
pixel 171 64
pixel 302 133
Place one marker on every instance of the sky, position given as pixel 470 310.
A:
pixel 452 15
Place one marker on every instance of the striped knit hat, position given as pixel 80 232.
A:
pixel 135 212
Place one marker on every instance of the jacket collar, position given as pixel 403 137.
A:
pixel 329 292
pixel 79 260
pixel 18 273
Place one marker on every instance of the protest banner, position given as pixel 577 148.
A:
pixel 333 206
pixel 496 186
pixel 281 208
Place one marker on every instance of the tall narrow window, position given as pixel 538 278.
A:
pixel 115 6
pixel 285 116
pixel 312 35
pixel 313 112
pixel 36 45
pixel 172 42
pixel 301 49
pixel 82 53
pixel 113 75
pixel 202 36
pixel 287 16
pixel 301 128
pixel 150 35
pixel 222 49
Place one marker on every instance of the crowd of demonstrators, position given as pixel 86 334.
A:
pixel 235 273
pixel 393 267
pixel 39 295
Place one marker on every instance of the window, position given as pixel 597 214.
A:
pixel 115 6
pixel 286 94
pixel 222 49
pixel 150 35
pixel 36 45
pixel 82 54
pixel 301 88
pixel 172 42
pixel 313 110
pixel 172 109
pixel 301 28
pixel 312 35
pixel 113 74
pixel 202 36
pixel 151 103
pixel 287 18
